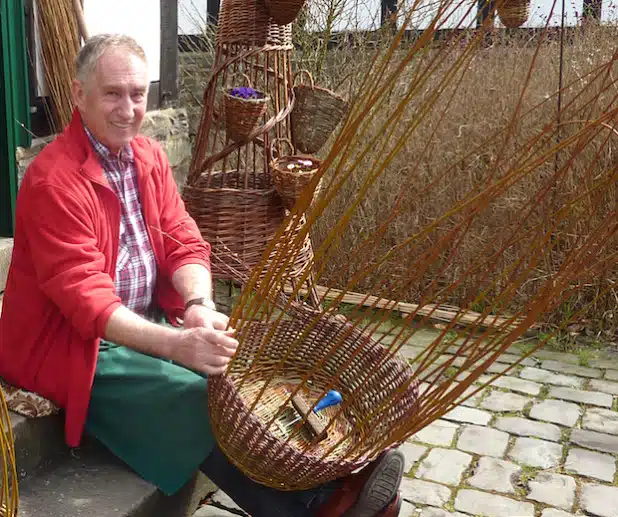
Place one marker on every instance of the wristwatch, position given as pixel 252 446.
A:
pixel 205 302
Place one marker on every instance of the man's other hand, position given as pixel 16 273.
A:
pixel 205 349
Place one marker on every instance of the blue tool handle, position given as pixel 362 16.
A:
pixel 330 399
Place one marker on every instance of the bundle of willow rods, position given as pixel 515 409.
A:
pixel 319 350
pixel 58 30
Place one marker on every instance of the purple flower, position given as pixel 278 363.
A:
pixel 244 92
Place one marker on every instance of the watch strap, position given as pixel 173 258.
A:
pixel 203 301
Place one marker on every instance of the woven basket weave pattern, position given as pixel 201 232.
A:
pixel 315 116
pixel 289 183
pixel 242 116
pixel 246 22
pixel 514 13
pixel 243 220
pixel 283 11
pixel 363 374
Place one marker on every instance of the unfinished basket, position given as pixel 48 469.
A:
pixel 243 115
pixel 316 114
pixel 284 11
pixel 377 389
pixel 292 173
pixel 514 13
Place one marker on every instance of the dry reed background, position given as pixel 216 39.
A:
pixel 481 103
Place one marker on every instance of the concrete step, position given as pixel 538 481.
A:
pixel 55 481
pixel 39 442
pixel 90 482
pixel 6 248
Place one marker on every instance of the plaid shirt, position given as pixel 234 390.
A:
pixel 136 267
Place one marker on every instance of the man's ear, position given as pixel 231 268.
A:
pixel 79 94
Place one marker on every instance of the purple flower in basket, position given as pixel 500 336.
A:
pixel 244 92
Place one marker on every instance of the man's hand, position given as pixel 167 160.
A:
pixel 200 316
pixel 205 350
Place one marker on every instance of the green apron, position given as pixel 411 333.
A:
pixel 150 413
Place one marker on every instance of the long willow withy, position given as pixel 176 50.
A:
pixel 552 240
pixel 9 494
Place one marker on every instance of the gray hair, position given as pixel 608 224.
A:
pixel 89 55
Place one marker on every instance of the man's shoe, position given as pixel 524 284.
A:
pixel 393 509
pixel 373 492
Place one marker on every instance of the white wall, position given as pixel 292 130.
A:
pixel 365 14
pixel 138 18
pixel 191 16
pixel 609 14
pixel 102 16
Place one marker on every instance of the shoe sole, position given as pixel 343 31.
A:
pixel 381 486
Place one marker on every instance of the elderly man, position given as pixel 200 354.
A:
pixel 104 252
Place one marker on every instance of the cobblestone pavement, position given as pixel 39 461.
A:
pixel 541 441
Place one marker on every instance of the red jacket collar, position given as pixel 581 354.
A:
pixel 76 134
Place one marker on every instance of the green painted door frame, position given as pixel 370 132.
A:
pixel 14 105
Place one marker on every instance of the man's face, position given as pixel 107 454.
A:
pixel 112 101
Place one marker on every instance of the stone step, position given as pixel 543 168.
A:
pixel 6 248
pixel 91 482
pixel 39 442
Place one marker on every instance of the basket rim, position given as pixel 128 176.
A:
pixel 264 99
pixel 322 89
pixel 275 164
pixel 214 175
pixel 261 191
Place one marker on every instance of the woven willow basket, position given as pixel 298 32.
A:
pixel 284 11
pixel 514 13
pixel 290 183
pixel 377 388
pixel 242 116
pixel 317 112
pixel 247 22
pixel 243 220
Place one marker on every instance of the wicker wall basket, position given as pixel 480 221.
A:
pixel 289 180
pixel 232 217
pixel 247 22
pixel 284 11
pixel 243 116
pixel 514 13
pixel 377 388
pixel 316 114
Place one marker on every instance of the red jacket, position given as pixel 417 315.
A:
pixel 60 291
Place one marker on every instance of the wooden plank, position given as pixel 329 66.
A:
pixel 434 312
pixel 313 423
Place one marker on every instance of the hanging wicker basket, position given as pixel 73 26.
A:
pixel 378 392
pixel 243 115
pixel 514 13
pixel 317 112
pixel 292 173
pixel 283 11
